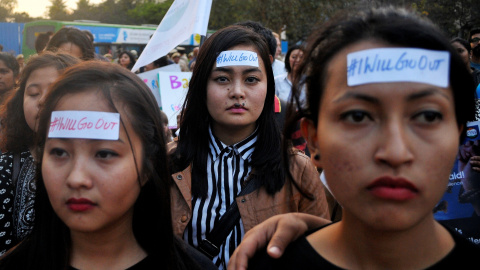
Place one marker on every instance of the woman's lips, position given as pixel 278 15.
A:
pixel 390 188
pixel 237 109
pixel 80 205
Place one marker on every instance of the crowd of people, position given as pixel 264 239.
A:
pixel 339 154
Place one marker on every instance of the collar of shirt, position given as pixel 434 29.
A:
pixel 244 148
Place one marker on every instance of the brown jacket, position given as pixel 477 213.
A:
pixel 259 205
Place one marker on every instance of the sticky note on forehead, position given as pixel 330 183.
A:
pixel 398 65
pixel 84 125
pixel 237 58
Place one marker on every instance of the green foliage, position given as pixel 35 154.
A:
pixel 84 11
pixel 6 9
pixel 296 17
pixel 150 12
pixel 58 10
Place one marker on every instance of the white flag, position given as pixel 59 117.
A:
pixel 184 18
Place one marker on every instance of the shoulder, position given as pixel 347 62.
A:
pixel 298 255
pixel 281 78
pixel 300 164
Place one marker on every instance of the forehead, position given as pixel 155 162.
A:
pixel 476 35
pixel 3 66
pixel 250 48
pixel 338 70
pixel 87 100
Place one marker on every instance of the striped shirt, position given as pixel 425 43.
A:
pixel 227 169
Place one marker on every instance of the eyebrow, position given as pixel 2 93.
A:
pixel 230 70
pixel 415 96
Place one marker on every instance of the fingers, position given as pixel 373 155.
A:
pixel 281 229
pixel 254 240
pixel 475 163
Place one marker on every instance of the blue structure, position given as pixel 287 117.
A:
pixel 11 37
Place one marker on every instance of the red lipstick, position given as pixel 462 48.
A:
pixel 237 108
pixel 80 205
pixel 390 188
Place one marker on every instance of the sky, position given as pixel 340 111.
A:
pixel 36 8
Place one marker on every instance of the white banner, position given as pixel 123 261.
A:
pixel 173 89
pixel 184 18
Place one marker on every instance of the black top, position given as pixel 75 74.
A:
pixel 151 263
pixel 147 263
pixel 301 255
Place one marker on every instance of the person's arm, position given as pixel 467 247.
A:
pixel 280 230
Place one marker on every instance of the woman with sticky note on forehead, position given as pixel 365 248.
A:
pixel 228 154
pixel 386 138
pixel 102 199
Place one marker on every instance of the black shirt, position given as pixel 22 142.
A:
pixel 301 255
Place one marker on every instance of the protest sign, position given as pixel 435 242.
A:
pixel 460 205
pixel 151 79
pixel 173 89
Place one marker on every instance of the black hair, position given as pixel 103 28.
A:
pixel 16 134
pixel 193 144
pixel 287 56
pixel 11 62
pixel 130 55
pixel 42 40
pixel 161 62
pixel 463 42
pixel 263 31
pixel 75 36
pixel 392 26
pixel 473 32
pixel 89 34
pixel 49 246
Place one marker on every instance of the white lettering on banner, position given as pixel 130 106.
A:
pixel 84 125
pixel 398 65
pixel 237 58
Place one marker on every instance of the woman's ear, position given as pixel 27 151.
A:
pixel 309 132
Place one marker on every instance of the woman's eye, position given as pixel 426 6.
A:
pixel 58 152
pixel 252 80
pixel 428 116
pixel 105 154
pixel 355 116
pixel 221 79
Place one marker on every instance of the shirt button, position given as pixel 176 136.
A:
pixel 184 218
pixel 179 177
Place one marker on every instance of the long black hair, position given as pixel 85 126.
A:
pixel 16 134
pixel 49 245
pixel 392 26
pixel 193 142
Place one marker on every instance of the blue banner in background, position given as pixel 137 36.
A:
pixel 102 34
pixel 459 207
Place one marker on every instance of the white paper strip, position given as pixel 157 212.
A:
pixel 84 125
pixel 398 65
pixel 237 58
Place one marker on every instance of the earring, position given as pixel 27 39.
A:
pixel 317 157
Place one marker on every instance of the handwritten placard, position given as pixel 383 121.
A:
pixel 173 90
pixel 84 125
pixel 398 65
pixel 237 58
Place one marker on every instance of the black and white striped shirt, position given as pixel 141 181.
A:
pixel 227 169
